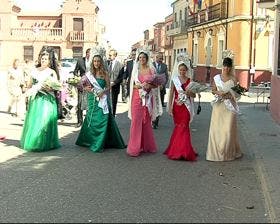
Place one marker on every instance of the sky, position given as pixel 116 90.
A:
pixel 125 20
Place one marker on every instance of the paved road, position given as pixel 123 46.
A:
pixel 73 184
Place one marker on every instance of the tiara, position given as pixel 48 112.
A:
pixel 182 57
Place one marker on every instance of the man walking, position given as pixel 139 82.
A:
pixel 116 77
pixel 82 67
pixel 129 67
pixel 161 68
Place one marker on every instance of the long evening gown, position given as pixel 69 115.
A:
pixel 180 146
pixel 99 130
pixel 141 133
pixel 223 143
pixel 40 131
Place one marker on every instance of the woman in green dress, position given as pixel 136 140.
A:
pixel 40 131
pixel 99 130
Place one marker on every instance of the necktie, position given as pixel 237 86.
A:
pixel 158 67
pixel 110 66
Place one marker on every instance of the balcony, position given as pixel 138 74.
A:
pixel 214 13
pixel 77 36
pixel 36 34
pixel 267 4
pixel 177 28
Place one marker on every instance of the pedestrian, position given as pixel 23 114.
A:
pixel 223 142
pixel 40 131
pixel 81 68
pixel 129 67
pixel 15 84
pixel 143 107
pixel 124 82
pixel 29 66
pixel 116 77
pixel 181 108
pixel 99 130
pixel 161 68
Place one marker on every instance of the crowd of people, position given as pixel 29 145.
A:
pixel 143 82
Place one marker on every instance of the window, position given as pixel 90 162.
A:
pixel 77 52
pixel 220 53
pixel 28 52
pixel 78 24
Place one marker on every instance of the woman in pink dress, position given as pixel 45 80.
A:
pixel 180 107
pixel 143 107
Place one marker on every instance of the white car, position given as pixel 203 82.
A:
pixel 66 70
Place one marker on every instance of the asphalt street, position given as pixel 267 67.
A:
pixel 73 184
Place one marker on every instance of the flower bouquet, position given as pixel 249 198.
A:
pixel 53 84
pixel 196 87
pixel 158 80
pixel 239 89
pixel 74 81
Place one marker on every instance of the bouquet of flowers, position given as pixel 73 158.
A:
pixel 74 81
pixel 197 87
pixel 239 89
pixel 53 84
pixel 158 80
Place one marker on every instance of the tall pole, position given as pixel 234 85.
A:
pixel 276 64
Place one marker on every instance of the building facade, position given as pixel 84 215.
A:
pixel 70 30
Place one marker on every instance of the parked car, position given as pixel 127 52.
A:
pixel 71 60
pixel 66 70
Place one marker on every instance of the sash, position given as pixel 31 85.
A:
pixel 231 105
pixel 145 96
pixel 188 101
pixel 97 88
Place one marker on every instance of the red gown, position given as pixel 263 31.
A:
pixel 180 146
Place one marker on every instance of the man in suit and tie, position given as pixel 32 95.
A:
pixel 82 67
pixel 129 67
pixel 161 68
pixel 116 77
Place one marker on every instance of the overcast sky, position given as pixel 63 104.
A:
pixel 125 20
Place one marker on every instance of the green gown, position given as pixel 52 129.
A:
pixel 40 131
pixel 99 131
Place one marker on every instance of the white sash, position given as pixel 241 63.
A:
pixel 231 105
pixel 97 88
pixel 188 101
pixel 145 96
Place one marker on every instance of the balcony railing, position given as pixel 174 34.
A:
pixel 266 3
pixel 214 12
pixel 36 33
pixel 178 27
pixel 77 36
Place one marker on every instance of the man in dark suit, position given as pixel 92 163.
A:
pixel 129 67
pixel 116 77
pixel 161 68
pixel 82 66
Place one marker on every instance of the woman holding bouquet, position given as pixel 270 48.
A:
pixel 143 106
pixel 40 131
pixel 181 108
pixel 99 129
pixel 223 143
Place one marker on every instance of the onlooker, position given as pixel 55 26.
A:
pixel 116 77
pixel 129 67
pixel 82 66
pixel 124 82
pixel 161 68
pixel 15 84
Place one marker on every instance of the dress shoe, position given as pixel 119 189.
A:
pixel 155 126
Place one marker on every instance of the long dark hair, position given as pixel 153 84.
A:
pixel 47 50
pixel 102 67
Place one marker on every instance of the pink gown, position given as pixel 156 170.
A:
pixel 141 133
pixel 180 146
